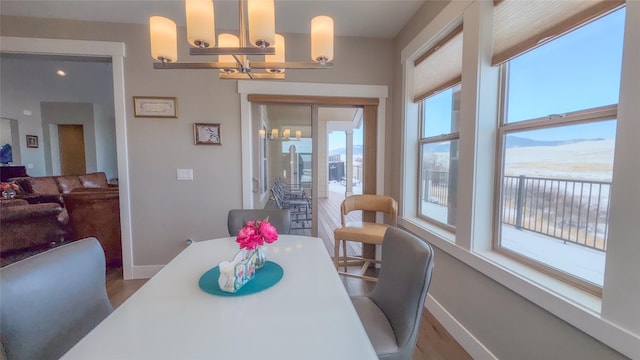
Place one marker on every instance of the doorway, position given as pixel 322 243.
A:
pixel 71 145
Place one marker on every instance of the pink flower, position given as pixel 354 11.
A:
pixel 256 233
pixel 268 231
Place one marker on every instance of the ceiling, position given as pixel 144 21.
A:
pixel 363 18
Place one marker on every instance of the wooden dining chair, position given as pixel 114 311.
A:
pixel 392 312
pixel 362 231
pixel 52 300
pixel 279 218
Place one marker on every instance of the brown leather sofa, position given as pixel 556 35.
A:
pixel 25 226
pixel 58 185
pixel 90 206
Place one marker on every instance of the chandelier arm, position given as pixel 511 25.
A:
pixel 232 51
pixel 196 66
pixel 290 65
pixel 255 76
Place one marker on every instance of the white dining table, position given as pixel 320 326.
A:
pixel 306 315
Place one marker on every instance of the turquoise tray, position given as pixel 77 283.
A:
pixel 265 278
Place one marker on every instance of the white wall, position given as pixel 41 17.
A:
pixel 166 212
pixel 26 82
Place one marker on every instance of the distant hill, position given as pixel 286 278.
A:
pixel 357 150
pixel 515 141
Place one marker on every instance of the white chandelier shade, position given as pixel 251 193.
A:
pixel 228 41
pixel 258 39
pixel 200 23
pixel 262 22
pixel 322 39
pixel 164 45
pixel 279 56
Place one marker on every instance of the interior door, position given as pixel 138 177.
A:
pixel 71 144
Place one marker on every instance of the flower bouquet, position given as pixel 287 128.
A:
pixel 253 235
pixel 9 189
pixel 236 273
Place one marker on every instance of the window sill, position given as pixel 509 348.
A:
pixel 577 307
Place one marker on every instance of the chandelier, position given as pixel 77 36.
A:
pixel 232 50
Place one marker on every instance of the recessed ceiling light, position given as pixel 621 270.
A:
pixel 61 73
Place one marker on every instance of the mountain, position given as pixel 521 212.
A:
pixel 357 150
pixel 515 141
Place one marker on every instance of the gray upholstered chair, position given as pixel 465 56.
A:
pixel 51 300
pixel 280 218
pixel 391 313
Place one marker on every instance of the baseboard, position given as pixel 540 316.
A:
pixel 144 271
pixel 470 344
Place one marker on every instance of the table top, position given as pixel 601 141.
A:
pixel 307 315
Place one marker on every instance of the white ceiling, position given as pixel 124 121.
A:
pixel 366 18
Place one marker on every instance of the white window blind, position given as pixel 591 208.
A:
pixel 522 25
pixel 440 67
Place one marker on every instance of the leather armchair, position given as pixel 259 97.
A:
pixel 96 213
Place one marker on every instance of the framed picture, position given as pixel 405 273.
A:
pixel 32 141
pixel 155 107
pixel 206 134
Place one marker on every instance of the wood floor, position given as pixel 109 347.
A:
pixel 434 342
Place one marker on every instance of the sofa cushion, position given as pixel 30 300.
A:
pixel 44 185
pixel 94 180
pixel 66 184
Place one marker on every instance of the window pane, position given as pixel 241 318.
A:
pixel 441 113
pixel 555 196
pixel 439 181
pixel 580 70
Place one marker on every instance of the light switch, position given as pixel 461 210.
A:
pixel 29 166
pixel 27 112
pixel 185 174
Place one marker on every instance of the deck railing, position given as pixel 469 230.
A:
pixel 575 211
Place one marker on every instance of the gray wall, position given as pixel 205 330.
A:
pixel 165 212
pixel 510 326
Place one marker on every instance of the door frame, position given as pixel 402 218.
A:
pixel 309 93
pixel 115 51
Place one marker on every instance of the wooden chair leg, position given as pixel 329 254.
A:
pixel 344 252
pixel 336 253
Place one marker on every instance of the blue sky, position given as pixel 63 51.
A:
pixel 541 83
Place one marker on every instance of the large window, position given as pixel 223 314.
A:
pixel 557 138
pixel 440 115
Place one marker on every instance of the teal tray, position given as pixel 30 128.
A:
pixel 265 278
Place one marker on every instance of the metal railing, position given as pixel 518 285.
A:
pixel 575 211
pixel 435 187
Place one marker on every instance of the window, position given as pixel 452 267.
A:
pixel 440 115
pixel 557 139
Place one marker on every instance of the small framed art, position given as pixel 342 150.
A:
pixel 32 141
pixel 206 134
pixel 155 107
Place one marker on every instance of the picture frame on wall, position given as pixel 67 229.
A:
pixel 207 134
pixel 155 107
pixel 32 141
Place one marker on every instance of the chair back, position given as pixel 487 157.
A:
pixel 52 300
pixel 369 202
pixel 279 218
pixel 405 276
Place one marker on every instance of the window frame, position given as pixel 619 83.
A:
pixel 584 116
pixel 422 140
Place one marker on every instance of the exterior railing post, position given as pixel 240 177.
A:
pixel 520 201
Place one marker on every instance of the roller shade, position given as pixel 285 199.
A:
pixel 439 67
pixel 522 25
